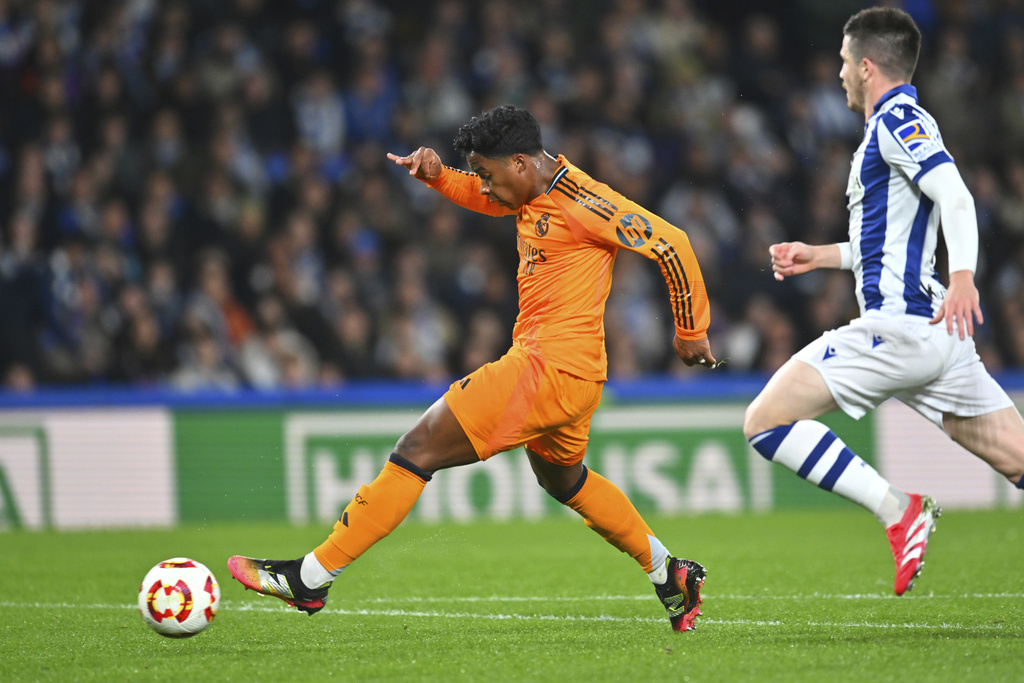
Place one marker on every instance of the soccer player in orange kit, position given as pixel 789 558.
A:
pixel 543 392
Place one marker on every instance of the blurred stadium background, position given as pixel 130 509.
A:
pixel 195 200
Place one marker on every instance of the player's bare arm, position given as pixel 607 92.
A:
pixel 797 258
pixel 961 304
pixel 695 351
pixel 424 163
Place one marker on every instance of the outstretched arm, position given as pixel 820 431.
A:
pixel 423 164
pixel 460 187
pixel 797 258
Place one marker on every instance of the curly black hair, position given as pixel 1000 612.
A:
pixel 500 132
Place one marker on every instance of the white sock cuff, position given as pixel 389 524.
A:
pixel 659 556
pixel 313 574
pixel 876 493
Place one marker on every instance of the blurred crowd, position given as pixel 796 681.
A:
pixel 195 194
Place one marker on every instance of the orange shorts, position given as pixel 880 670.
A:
pixel 519 400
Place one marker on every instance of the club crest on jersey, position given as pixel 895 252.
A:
pixel 918 139
pixel 541 226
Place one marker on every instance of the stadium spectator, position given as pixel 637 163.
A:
pixel 203 364
pixel 145 132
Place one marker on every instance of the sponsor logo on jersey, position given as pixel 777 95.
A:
pixel 634 230
pixel 854 186
pixel 918 139
pixel 530 256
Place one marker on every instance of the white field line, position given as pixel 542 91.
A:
pixel 707 597
pixel 569 598
pixel 278 607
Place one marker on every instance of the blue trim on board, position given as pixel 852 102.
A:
pixel 658 389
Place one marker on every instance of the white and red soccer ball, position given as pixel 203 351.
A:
pixel 179 597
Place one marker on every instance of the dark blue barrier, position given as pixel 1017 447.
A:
pixel 384 394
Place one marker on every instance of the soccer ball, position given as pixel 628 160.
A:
pixel 179 598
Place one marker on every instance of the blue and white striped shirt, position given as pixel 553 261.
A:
pixel 893 226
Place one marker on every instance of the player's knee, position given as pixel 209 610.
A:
pixel 414 447
pixel 1012 446
pixel 558 481
pixel 408 443
pixel 755 420
pixel 563 488
pixel 547 484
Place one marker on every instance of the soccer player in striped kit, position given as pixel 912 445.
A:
pixel 543 392
pixel 913 339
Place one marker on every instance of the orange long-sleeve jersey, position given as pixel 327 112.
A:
pixel 568 238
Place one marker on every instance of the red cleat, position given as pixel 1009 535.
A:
pixel 909 539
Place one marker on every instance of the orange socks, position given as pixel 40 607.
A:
pixel 607 511
pixel 374 513
pixel 382 505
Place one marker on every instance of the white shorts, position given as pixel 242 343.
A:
pixel 925 367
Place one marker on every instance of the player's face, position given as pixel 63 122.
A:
pixel 501 180
pixel 853 82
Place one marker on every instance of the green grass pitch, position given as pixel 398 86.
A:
pixel 794 596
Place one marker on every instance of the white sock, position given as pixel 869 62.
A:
pixel 313 574
pixel 815 453
pixel 659 560
pixel 893 506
